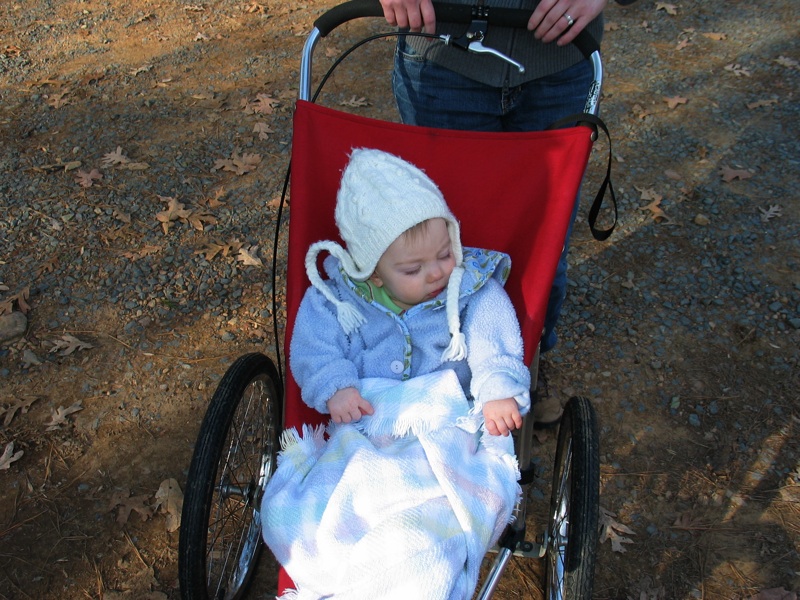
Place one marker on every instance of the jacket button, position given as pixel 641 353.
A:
pixel 396 367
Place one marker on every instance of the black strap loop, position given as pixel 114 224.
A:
pixel 597 203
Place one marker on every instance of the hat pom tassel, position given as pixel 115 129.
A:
pixel 348 316
pixel 457 349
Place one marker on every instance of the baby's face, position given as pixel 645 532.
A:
pixel 417 267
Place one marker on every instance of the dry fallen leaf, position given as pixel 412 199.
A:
pixel 199 218
pixel 770 213
pixel 640 111
pixel 169 498
pixel 58 99
pixel 212 249
pixel 142 69
pixel 67 166
pixel 9 456
pixel 355 102
pixel 20 406
pixel 717 37
pixel 263 104
pixel 654 206
pixel 238 164
pixel 216 201
pixel 85 179
pixel 50 264
pixel 729 174
pixel 648 194
pixel 738 70
pixel 125 503
pixel 145 250
pixel 115 158
pixel 20 299
pixel 760 103
pixel 785 61
pixel 58 416
pixel 674 101
pixel 249 256
pixel 263 130
pixel 256 8
pixel 69 344
pixel 612 530
pixel 655 210
pixel 670 9
pixel 134 166
pixel 175 210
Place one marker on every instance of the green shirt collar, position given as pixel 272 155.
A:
pixel 373 293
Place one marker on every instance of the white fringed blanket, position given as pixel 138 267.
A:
pixel 401 505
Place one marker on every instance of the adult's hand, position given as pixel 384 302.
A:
pixel 416 15
pixel 552 18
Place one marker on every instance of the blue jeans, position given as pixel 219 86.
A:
pixel 432 96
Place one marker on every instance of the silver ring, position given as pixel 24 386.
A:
pixel 569 19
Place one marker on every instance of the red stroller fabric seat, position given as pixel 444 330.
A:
pixel 512 192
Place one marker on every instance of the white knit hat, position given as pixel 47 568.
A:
pixel 380 197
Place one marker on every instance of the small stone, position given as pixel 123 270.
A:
pixel 12 326
pixel 701 220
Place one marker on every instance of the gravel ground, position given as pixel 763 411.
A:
pixel 683 328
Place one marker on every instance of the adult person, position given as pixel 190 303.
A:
pixel 437 85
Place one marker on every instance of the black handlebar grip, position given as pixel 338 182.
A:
pixel 445 12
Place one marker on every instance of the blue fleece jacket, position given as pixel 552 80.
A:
pixel 324 359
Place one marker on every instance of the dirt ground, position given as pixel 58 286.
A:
pixel 697 386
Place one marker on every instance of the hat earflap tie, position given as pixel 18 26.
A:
pixel 348 316
pixel 457 348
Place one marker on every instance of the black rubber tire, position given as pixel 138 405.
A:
pixel 574 506
pixel 234 457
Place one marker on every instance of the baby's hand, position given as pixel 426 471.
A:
pixel 347 405
pixel 502 416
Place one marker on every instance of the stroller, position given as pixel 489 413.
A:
pixel 236 451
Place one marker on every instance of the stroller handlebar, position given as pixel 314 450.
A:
pixel 446 12
pixel 471 15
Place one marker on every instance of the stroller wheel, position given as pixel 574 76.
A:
pixel 234 457
pixel 572 527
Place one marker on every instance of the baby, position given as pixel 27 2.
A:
pixel 403 299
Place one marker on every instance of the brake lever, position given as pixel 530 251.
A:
pixel 472 40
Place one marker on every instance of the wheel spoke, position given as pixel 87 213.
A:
pixel 560 530
pixel 220 538
pixel 234 530
pixel 572 526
